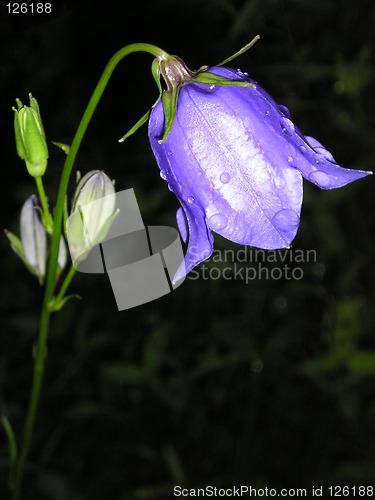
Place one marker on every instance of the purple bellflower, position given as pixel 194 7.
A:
pixel 235 161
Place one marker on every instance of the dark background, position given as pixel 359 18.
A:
pixel 269 383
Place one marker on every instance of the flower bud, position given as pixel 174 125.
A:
pixel 33 238
pixel 92 213
pixel 31 141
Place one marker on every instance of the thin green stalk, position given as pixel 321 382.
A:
pixel 47 217
pixel 66 283
pixel 34 399
pixel 55 241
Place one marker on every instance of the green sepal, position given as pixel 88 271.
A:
pixel 169 99
pixel 212 79
pixel 155 70
pixel 54 305
pixel 62 146
pixel 34 104
pixel 135 127
pixel 17 133
pixel 16 246
pixel 240 52
pixel 19 104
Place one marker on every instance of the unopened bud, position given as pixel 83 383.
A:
pixel 33 238
pixel 93 211
pixel 31 141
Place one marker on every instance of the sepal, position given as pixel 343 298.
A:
pixel 169 99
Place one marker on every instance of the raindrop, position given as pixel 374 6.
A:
pixel 284 110
pixel 218 222
pixel 320 178
pixel 169 153
pixel 225 178
pixel 163 175
pixel 190 199
pixel 302 149
pixel 324 154
pixel 212 87
pixel 267 113
pixel 286 219
pixel 290 159
pixel 287 125
pixel 279 182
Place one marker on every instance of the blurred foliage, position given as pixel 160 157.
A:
pixel 269 383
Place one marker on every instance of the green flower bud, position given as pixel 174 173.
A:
pixel 93 211
pixel 31 141
pixel 33 238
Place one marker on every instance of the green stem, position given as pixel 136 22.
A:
pixel 34 399
pixel 55 241
pixel 47 217
pixel 66 283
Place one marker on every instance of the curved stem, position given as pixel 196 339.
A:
pixel 55 242
pixel 135 47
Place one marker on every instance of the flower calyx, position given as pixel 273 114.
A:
pixel 176 74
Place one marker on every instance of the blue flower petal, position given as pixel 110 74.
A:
pixel 182 224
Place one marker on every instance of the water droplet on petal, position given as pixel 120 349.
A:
pixel 169 153
pixel 322 152
pixel 325 154
pixel 212 87
pixel 320 157
pixel 286 219
pixel 267 113
pixel 320 178
pixel 225 177
pixel 302 149
pixel 191 199
pixel 287 125
pixel 279 182
pixel 290 159
pixel 284 110
pixel 163 175
pixel 218 222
